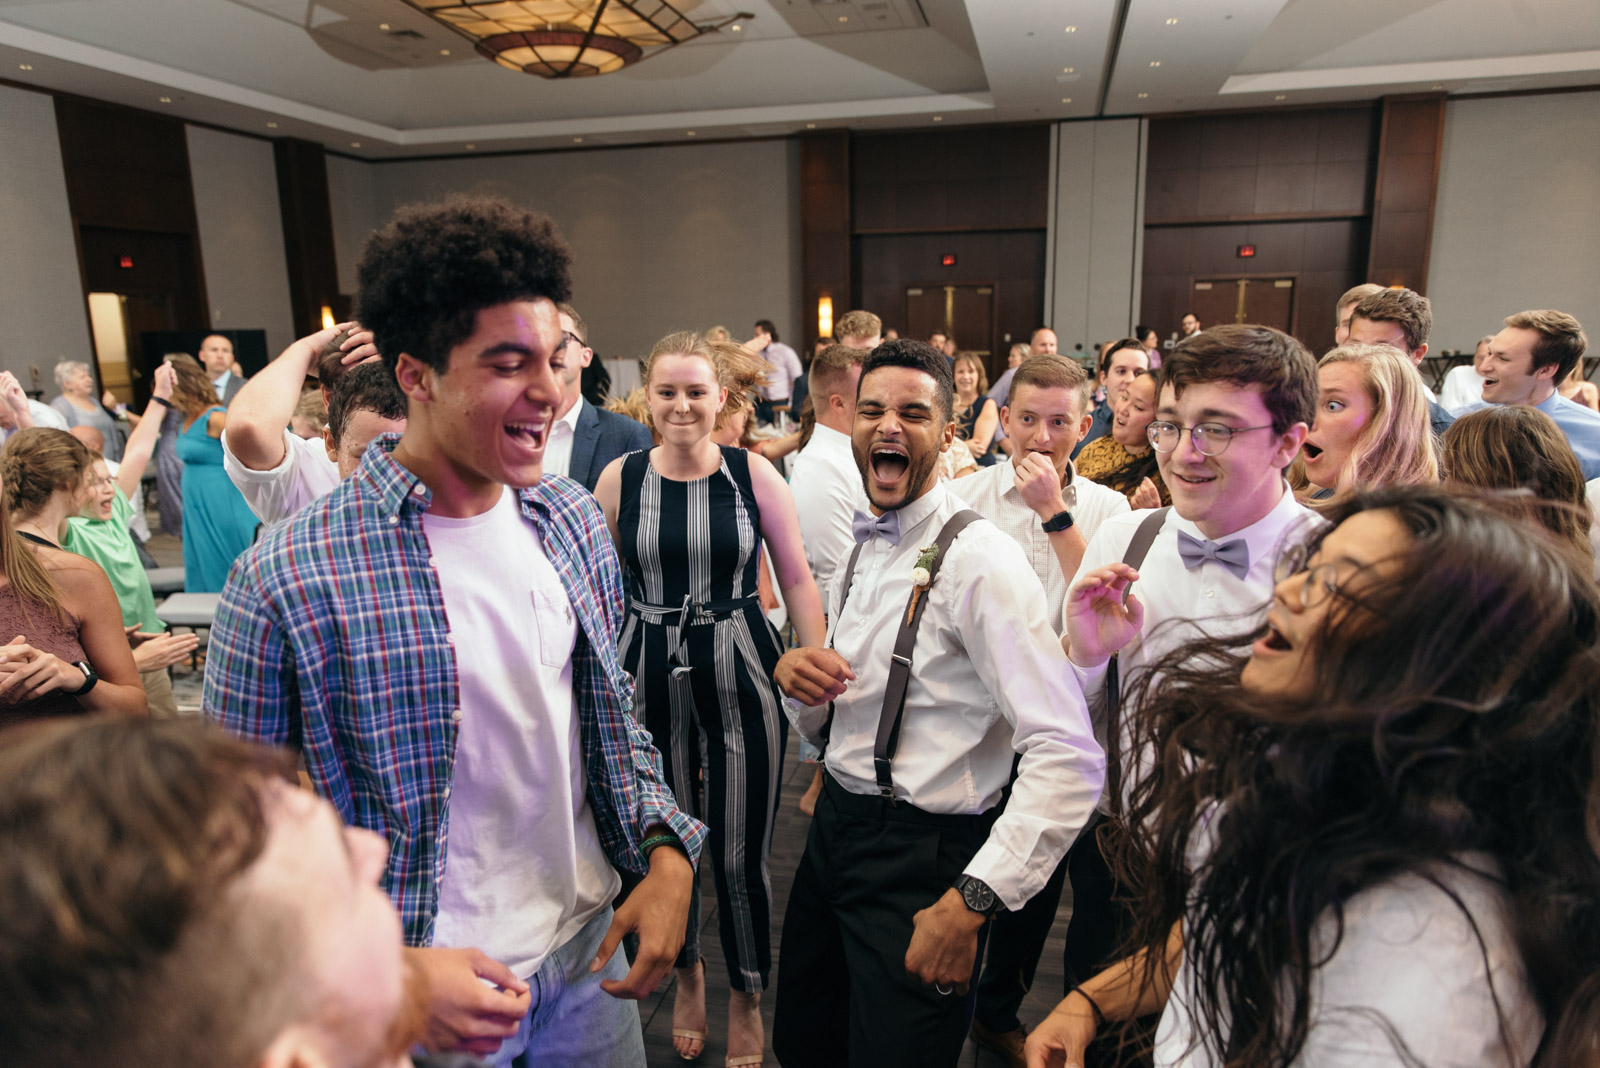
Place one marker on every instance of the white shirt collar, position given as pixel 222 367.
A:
pixel 571 418
pixel 1265 535
pixel 829 438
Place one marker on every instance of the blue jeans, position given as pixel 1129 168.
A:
pixel 571 1022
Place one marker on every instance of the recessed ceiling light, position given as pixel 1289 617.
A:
pixel 1172 22
pixel 736 27
pixel 1438 86
pixel 165 99
pixel 811 126
pixel 688 133
pixel 1155 63
pixel 272 126
pixel 472 148
pixel 355 144
pixel 1281 96
pixel 444 51
pixel 1066 70
pixel 1143 95
pixel 383 25
pixel 1072 29
pixel 24 66
pixel 1066 100
pixel 577 140
pixel 844 18
pixel 938 118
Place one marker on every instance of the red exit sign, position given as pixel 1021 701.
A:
pixel 1246 251
pixel 125 261
pixel 948 259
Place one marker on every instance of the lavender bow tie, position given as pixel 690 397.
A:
pixel 886 526
pixel 1233 555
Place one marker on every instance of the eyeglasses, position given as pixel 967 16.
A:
pixel 569 338
pixel 1321 584
pixel 1209 439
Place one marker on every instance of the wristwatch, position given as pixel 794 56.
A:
pixel 89 677
pixel 1058 522
pixel 978 896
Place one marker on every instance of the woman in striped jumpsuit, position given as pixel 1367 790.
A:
pixel 688 517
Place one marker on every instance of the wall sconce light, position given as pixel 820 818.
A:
pixel 824 316
pixel 328 321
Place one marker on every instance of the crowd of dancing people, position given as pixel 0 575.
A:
pixel 1288 666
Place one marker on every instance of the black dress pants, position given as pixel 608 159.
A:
pixel 844 997
pixel 1016 942
pixel 1099 925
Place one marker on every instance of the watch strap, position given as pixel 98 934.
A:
pixel 89 677
pixel 1058 522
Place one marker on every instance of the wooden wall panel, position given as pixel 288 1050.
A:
pixel 979 178
pixel 825 197
pixel 1403 195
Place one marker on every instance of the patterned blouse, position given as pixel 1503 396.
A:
pixel 1104 455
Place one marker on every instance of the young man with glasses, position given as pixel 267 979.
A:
pixel 1234 407
pixel 584 438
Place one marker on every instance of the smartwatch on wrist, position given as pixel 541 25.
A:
pixel 1058 522
pixel 977 895
pixel 89 677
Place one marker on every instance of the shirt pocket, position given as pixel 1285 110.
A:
pixel 558 627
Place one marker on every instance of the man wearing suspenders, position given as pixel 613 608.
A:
pixel 907 857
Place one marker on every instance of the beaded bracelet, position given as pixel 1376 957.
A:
pixel 1099 1017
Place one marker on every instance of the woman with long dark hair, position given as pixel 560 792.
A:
pixel 1372 838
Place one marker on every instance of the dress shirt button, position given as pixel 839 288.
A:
pixel 449 638
pixel 433 561
pixel 394 521
pixel 447 792
pixel 1211 592
pixel 419 489
pixel 456 715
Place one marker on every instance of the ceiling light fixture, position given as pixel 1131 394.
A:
pixel 569 38
pixel 272 126
pixel 355 144
pixel 24 66
pixel 444 51
pixel 1281 96
pixel 1437 87
pixel 844 18
pixel 811 126
pixel 688 133
pixel 1066 70
pixel 164 99
pixel 1072 29
pixel 1066 100
pixel 1143 95
pixel 472 148
pixel 384 26
pixel 1172 22
pixel 736 28
pixel 938 118
pixel 1155 63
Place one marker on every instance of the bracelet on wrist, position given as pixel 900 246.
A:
pixel 655 841
pixel 161 401
pixel 1094 1006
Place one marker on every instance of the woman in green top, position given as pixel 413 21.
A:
pixel 75 501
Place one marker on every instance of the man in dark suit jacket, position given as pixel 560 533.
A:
pixel 216 356
pixel 585 438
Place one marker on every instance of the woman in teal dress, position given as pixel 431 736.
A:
pixel 217 524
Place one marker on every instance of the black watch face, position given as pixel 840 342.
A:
pixel 979 898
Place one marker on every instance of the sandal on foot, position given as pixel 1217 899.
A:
pixel 744 1062
pixel 696 1036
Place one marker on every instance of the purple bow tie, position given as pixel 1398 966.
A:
pixel 886 526
pixel 1233 555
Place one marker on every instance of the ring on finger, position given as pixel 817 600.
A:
pixel 941 990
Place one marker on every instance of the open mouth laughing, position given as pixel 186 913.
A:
pixel 889 464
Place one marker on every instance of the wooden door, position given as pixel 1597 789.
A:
pixel 964 312
pixel 1265 300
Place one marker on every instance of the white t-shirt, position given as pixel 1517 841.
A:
pixel 524 869
pixel 1409 957
pixel 304 474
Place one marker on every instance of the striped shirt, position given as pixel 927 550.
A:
pixel 331 638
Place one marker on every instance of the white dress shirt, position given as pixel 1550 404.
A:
pixel 558 450
pixel 992 493
pixel 1179 604
pixel 988 681
pixel 1409 953
pixel 827 493
pixel 304 474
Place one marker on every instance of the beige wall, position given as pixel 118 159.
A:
pixel 241 234
pixel 43 317
pixel 664 237
pixel 1517 224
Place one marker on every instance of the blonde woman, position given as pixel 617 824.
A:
pixel 688 517
pixel 1371 426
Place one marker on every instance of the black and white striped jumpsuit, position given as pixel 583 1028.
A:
pixel 702 654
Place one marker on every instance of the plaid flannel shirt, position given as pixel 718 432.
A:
pixel 331 638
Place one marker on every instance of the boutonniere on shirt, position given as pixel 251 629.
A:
pixel 921 576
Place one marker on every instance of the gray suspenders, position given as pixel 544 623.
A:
pixel 1143 538
pixel 894 694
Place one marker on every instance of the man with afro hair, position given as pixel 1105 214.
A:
pixel 438 637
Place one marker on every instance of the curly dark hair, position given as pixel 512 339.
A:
pixel 367 387
pixel 1453 711
pixel 919 356
pixel 423 278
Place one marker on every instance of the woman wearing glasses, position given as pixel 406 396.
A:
pixel 1370 839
